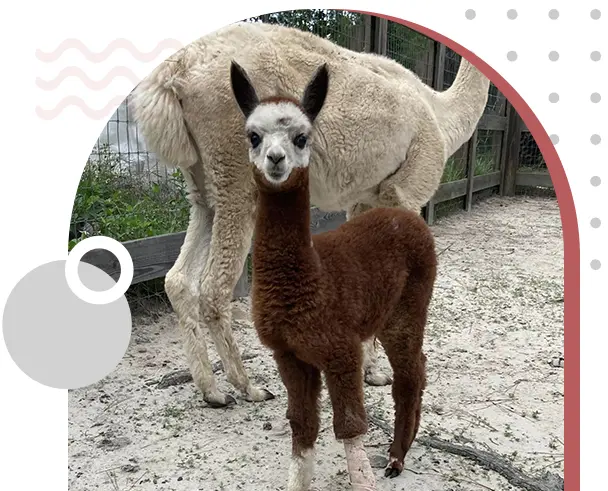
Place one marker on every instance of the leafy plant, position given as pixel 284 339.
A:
pixel 113 201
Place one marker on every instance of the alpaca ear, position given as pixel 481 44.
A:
pixel 315 92
pixel 243 90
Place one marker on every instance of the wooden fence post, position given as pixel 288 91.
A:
pixel 379 35
pixel 438 73
pixel 367 33
pixel 504 148
pixel 471 160
pixel 514 129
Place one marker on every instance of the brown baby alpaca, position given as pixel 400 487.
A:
pixel 315 298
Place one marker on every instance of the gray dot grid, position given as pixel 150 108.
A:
pixel 595 97
pixel 595 181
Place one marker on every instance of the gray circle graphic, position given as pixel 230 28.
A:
pixel 59 340
pixel 554 139
pixel 511 56
pixel 595 181
pixel 595 56
pixel 470 14
pixel 595 264
pixel 596 222
pixel 553 97
pixel 512 14
pixel 553 14
pixel 595 139
pixel 595 97
pixel 554 56
pixel 595 14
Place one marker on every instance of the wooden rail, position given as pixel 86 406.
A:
pixel 533 179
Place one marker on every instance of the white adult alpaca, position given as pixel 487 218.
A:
pixel 382 140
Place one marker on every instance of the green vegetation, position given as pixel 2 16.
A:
pixel 335 25
pixel 456 169
pixel 119 204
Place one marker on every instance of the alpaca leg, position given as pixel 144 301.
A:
pixel 402 339
pixel 419 405
pixel 408 388
pixel 344 378
pixel 416 181
pixel 345 386
pixel 372 374
pixel 231 238
pixel 182 284
pixel 303 384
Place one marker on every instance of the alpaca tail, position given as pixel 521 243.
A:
pixel 460 108
pixel 158 113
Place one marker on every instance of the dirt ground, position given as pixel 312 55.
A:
pixel 496 323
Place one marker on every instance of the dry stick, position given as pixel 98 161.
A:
pixel 493 462
pixel 446 249
pixel 138 480
pixel 487 460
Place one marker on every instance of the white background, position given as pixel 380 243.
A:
pixel 42 160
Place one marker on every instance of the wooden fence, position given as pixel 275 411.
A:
pixel 153 257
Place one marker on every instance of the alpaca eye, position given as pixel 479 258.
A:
pixel 300 141
pixel 255 139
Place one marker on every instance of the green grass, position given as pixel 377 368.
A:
pixel 118 204
pixel 455 171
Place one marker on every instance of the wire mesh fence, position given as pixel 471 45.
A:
pixel 413 50
pixel 126 193
pixel 489 147
pixel 530 157
pixel 344 28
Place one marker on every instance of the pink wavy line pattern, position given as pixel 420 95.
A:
pixel 103 113
pixel 74 71
pixel 116 44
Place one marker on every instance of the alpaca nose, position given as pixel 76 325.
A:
pixel 275 157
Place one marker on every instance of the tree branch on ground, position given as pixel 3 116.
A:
pixel 487 460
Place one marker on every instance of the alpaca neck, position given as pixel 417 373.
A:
pixel 460 108
pixel 282 237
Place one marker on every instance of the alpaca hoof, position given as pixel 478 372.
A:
pixel 219 400
pixel 394 469
pixel 259 395
pixel 377 378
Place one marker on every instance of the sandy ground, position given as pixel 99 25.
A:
pixel 496 322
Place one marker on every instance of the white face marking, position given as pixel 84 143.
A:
pixel 278 126
pixel 300 471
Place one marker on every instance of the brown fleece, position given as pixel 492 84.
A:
pixel 316 298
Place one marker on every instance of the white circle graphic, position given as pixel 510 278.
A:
pixel 126 270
